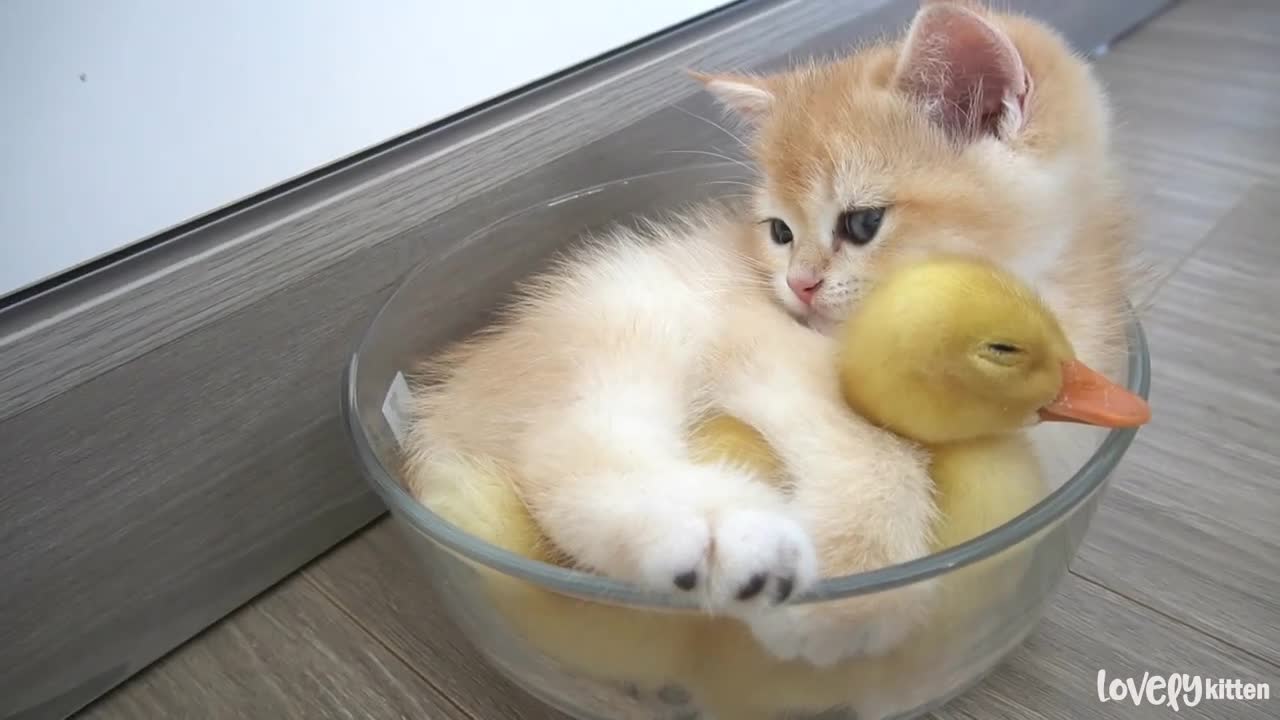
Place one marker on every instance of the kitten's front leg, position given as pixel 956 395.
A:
pixel 608 478
pixel 864 495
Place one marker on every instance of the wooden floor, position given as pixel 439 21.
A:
pixel 1181 570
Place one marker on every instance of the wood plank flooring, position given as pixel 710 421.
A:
pixel 291 654
pixel 1206 479
pixel 1180 572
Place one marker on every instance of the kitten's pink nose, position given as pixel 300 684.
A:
pixel 804 286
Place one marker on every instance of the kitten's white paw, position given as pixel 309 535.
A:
pixel 760 554
pixel 733 559
pixel 824 635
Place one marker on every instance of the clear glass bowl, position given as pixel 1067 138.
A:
pixel 598 649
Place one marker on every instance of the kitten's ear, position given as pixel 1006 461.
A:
pixel 749 97
pixel 965 70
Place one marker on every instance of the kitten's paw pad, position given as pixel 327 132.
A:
pixel 759 557
pixel 687 580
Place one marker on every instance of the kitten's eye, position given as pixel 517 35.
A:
pixel 780 232
pixel 859 226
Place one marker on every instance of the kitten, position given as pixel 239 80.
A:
pixel 976 132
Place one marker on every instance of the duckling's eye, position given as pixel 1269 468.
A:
pixel 859 226
pixel 780 232
pixel 1003 354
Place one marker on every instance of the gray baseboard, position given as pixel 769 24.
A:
pixel 169 438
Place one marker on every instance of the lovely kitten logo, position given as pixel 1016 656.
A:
pixel 1178 690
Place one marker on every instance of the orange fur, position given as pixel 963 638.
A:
pixel 584 392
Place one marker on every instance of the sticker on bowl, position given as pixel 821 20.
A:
pixel 395 407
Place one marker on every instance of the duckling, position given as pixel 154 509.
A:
pixel 960 356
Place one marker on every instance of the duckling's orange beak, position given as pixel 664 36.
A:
pixel 1088 397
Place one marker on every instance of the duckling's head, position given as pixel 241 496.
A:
pixel 955 348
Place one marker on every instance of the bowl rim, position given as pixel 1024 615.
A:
pixel 1055 506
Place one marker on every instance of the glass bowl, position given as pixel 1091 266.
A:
pixel 599 649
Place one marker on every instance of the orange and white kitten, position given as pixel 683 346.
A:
pixel 976 132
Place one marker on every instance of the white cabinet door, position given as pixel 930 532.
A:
pixel 128 117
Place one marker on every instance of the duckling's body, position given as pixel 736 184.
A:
pixel 723 438
pixel 982 484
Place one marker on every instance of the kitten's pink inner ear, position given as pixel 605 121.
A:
pixel 747 96
pixel 966 71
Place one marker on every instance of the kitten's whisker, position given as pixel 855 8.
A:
pixel 718 156
pixel 731 278
pixel 755 264
pixel 713 294
pixel 715 125
pixel 748 197
pixel 751 261
pixel 747 185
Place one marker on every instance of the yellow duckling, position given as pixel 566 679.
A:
pixel 959 356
